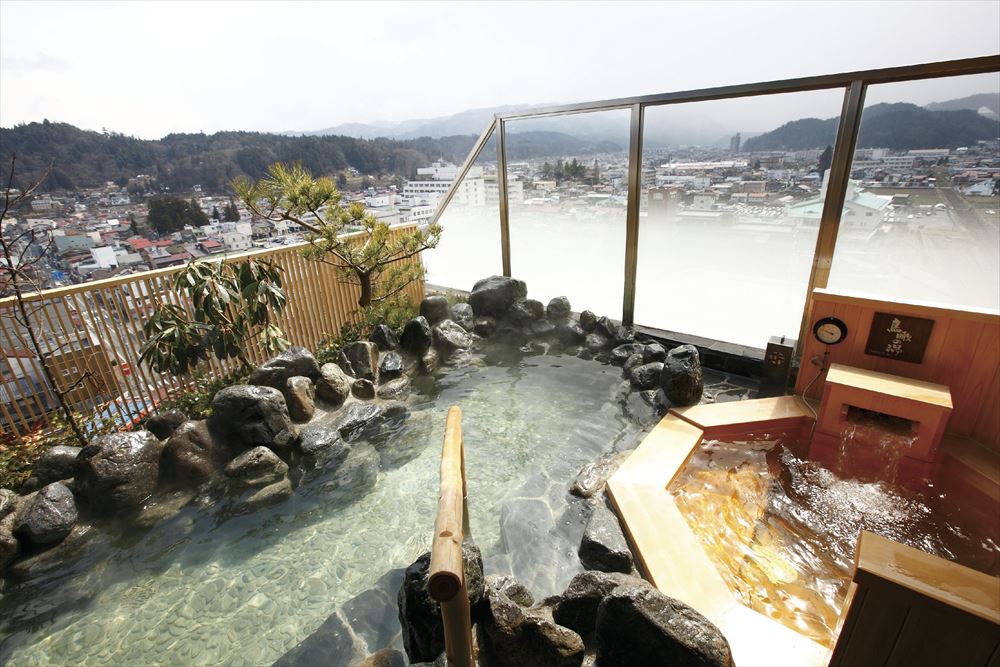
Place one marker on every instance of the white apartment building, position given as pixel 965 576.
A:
pixel 236 241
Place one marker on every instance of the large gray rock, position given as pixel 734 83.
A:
pixel 420 614
pixel 383 336
pixel 162 506
pixel 50 516
pixel 275 371
pixel 682 380
pixel 417 337
pixel 334 385
pixel 390 367
pixel 621 353
pixel 595 343
pixel 118 471
pixel 352 478
pixel 55 463
pixel 256 468
pixel 245 416
pixel 624 335
pixel 435 309
pixel 558 309
pixel 633 363
pixel 588 321
pixel 462 314
pixel 320 444
pixel 646 376
pixel 189 455
pixel 394 389
pixel 593 476
pixel 576 608
pixel 484 326
pixel 512 636
pixel 9 544
pixel 362 355
pixel 363 389
pixel 369 420
pixel 495 295
pixel 526 311
pixel 569 332
pixel 58 555
pixel 603 546
pixel 654 352
pixel 8 502
pixel 641 626
pixel 163 424
pixel 606 328
pixel 450 337
pixel 300 394
pixel 510 587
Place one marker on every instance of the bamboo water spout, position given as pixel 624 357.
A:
pixel 446 582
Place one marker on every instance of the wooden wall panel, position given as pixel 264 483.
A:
pixel 963 353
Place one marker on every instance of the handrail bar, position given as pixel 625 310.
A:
pixel 960 67
pixel 446 581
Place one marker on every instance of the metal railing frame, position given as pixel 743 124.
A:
pixel 855 85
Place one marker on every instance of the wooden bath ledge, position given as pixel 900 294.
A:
pixel 909 607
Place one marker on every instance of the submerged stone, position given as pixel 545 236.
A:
pixel 603 546
pixel 256 467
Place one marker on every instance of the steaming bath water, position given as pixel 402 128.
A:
pixel 198 589
pixel 782 531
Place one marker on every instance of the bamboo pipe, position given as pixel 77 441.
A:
pixel 446 582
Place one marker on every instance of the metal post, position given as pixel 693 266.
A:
pixel 632 213
pixel 502 188
pixel 836 191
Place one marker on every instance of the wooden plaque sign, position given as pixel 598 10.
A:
pixel 899 337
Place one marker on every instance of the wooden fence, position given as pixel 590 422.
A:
pixel 92 336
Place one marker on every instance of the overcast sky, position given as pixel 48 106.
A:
pixel 152 68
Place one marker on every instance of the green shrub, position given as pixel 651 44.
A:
pixel 395 313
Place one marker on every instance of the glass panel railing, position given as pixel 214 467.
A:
pixel 470 242
pixel 568 186
pixel 727 228
pixel 922 216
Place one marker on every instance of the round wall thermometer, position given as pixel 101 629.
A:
pixel 830 330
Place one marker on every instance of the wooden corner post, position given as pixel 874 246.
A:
pixel 446 582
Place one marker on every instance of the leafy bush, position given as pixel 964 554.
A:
pixel 18 457
pixel 395 313
pixel 196 401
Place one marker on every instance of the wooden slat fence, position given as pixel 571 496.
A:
pixel 92 334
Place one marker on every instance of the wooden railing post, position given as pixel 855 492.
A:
pixel 446 582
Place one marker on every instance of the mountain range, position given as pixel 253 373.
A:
pixel 82 158
pixel 897 126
